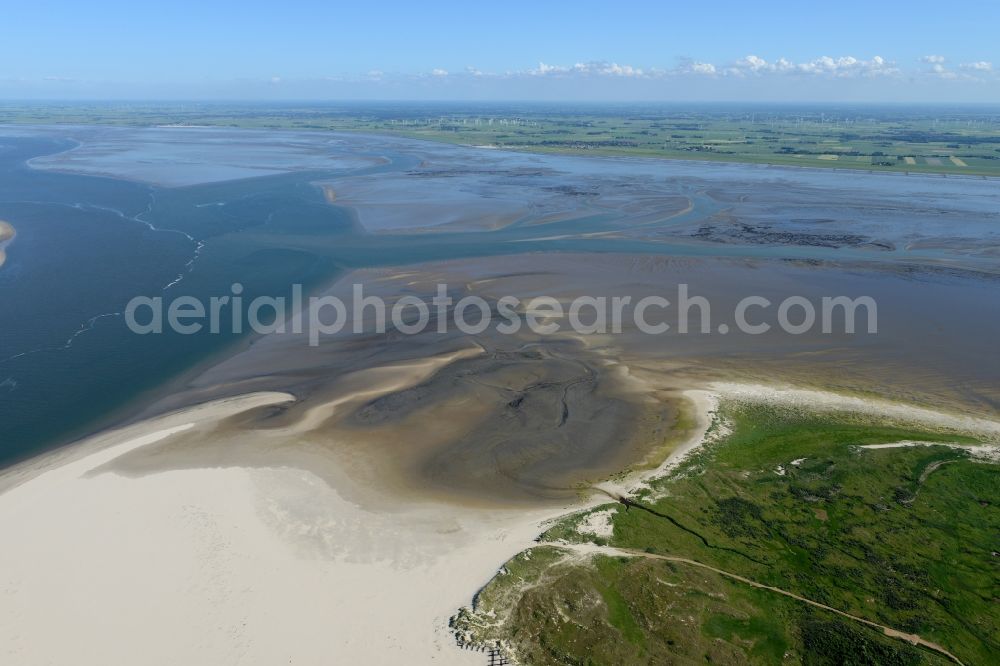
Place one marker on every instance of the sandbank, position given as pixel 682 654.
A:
pixel 7 234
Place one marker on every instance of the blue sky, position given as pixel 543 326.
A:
pixel 764 51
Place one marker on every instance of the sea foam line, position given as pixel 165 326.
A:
pixel 90 323
pixel 86 326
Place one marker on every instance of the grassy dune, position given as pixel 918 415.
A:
pixel 903 537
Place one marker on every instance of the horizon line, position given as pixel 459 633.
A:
pixel 540 102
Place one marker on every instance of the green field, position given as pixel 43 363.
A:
pixel 952 141
pixel 903 537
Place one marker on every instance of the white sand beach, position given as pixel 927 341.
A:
pixel 232 565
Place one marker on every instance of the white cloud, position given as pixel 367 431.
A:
pixel 937 67
pixel 829 67
pixel 606 69
pixel 753 63
pixel 939 70
pixel 688 66
pixel 971 71
pixel 842 67
pixel 702 68
pixel 592 68
pixel 981 66
pixel 544 69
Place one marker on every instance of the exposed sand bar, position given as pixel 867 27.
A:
pixel 823 401
pixel 381 381
pixel 7 234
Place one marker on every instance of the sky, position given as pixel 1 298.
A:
pixel 779 51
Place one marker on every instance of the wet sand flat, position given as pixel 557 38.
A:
pixel 531 418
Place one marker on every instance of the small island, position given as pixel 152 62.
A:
pixel 7 234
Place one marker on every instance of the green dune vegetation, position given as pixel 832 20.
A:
pixel 782 539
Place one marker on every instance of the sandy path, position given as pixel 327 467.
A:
pixel 628 552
